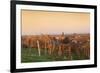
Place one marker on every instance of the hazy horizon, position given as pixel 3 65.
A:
pixel 55 34
pixel 46 22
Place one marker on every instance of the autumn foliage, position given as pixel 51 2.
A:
pixel 59 45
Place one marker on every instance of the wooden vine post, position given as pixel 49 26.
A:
pixel 38 45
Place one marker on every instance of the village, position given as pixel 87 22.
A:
pixel 67 46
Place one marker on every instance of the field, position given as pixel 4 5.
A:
pixel 75 47
pixel 32 56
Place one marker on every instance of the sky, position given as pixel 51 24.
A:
pixel 50 22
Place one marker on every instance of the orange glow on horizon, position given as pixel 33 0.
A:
pixel 47 22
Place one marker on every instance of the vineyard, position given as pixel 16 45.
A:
pixel 60 47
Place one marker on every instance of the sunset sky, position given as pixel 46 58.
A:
pixel 49 22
